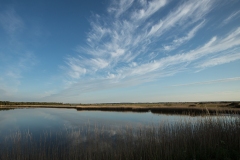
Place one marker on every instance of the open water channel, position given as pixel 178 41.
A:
pixel 39 120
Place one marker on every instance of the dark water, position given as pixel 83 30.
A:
pixel 44 119
pixel 41 122
pixel 28 130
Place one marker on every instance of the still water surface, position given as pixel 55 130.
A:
pixel 44 119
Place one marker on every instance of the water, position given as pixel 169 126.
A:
pixel 47 132
pixel 45 119
pixel 41 121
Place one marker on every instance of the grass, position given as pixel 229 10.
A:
pixel 164 107
pixel 208 138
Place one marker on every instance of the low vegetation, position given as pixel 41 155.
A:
pixel 29 103
pixel 186 108
pixel 208 138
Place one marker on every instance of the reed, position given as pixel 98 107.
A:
pixel 208 138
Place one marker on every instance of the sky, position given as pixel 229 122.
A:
pixel 114 51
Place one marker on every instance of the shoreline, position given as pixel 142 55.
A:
pixel 177 108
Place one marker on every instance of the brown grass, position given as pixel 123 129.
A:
pixel 183 107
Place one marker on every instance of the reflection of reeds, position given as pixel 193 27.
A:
pixel 208 138
pixel 172 110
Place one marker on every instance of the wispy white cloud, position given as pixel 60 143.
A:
pixel 46 93
pixel 179 41
pixel 123 40
pixel 119 7
pixel 75 69
pixel 14 58
pixel 149 8
pixel 19 64
pixel 190 11
pixel 165 66
pixel 209 82
pixel 126 50
pixel 10 21
pixel 12 73
pixel 80 66
pixel 219 60
pixel 212 47
pixel 231 17
pixel 2 92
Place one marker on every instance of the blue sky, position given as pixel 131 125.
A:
pixel 120 50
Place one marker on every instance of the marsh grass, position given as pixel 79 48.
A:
pixel 207 138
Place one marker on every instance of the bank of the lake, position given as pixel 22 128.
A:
pixel 169 107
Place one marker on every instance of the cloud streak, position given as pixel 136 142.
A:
pixel 219 60
pixel 185 14
pixel 209 82
pixel 15 60
pixel 180 41
pixel 231 17
pixel 148 9
pixel 10 21
pixel 127 46
pixel 13 72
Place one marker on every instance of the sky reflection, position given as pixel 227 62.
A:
pixel 39 120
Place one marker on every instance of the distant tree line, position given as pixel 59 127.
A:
pixel 29 103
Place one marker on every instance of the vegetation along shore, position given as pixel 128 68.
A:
pixel 161 107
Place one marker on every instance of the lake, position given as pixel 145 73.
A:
pixel 38 120
pixel 47 133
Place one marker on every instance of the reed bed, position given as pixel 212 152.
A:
pixel 207 138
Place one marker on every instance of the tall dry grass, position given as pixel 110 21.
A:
pixel 208 138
